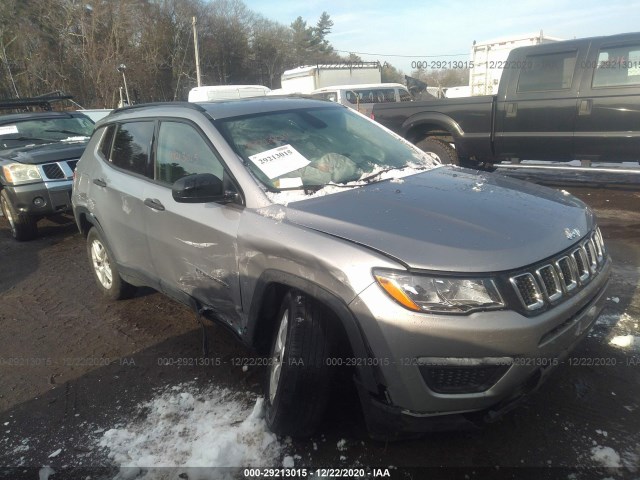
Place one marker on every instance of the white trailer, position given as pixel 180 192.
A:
pixel 309 78
pixel 489 60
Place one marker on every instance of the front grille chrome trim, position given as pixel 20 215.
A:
pixel 538 301
pixel 547 284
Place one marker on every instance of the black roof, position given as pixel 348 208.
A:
pixel 220 109
pixel 249 106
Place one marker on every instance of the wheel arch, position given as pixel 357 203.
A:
pixel 268 294
pixel 422 125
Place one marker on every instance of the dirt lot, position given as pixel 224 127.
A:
pixel 73 365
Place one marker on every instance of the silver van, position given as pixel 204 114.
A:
pixel 362 97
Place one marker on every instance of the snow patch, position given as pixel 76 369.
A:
pixel 56 453
pixel 45 472
pixel 606 456
pixel 626 342
pixel 189 427
pixel 289 196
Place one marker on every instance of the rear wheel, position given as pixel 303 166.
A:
pixel 440 150
pixel 23 227
pixel 105 270
pixel 297 383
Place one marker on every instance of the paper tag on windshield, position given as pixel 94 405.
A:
pixel 280 160
pixel 8 129
pixel 289 182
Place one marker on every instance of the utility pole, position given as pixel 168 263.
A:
pixel 195 44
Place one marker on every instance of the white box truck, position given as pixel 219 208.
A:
pixel 309 78
pixel 489 60
pixel 226 92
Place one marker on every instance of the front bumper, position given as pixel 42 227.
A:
pixel 42 198
pixel 404 342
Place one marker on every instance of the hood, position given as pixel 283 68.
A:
pixel 49 152
pixel 451 219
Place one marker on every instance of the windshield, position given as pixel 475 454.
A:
pixel 315 147
pixel 44 130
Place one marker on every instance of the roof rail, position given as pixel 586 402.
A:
pixel 42 101
pixel 192 105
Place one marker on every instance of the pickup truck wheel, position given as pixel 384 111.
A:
pixel 439 149
pixel 23 227
pixel 104 268
pixel 297 382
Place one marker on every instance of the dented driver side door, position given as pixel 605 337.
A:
pixel 193 245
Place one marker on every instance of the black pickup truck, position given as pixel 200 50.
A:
pixel 577 99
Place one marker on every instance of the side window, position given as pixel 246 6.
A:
pixel 386 95
pixel 552 71
pixel 132 145
pixel 617 66
pixel 405 96
pixel 183 151
pixel 107 141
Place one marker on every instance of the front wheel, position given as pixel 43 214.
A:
pixel 23 227
pixel 297 382
pixel 105 270
pixel 439 150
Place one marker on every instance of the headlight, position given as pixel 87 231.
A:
pixel 16 173
pixel 422 293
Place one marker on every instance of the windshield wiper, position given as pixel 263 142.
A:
pixel 372 177
pixel 69 132
pixel 24 139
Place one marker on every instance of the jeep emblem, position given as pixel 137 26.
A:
pixel 571 234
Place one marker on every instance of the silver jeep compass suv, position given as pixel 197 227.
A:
pixel 305 226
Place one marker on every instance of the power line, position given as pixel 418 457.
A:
pixel 405 56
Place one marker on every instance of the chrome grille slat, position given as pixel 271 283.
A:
pixel 528 291
pixel 567 272
pixel 550 282
pixel 580 257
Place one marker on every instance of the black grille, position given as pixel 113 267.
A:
pixel 72 164
pixel 462 379
pixel 53 171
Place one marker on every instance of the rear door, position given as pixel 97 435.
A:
pixel 536 120
pixel 115 190
pixel 193 245
pixel 608 122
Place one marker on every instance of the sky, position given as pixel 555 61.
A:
pixel 408 31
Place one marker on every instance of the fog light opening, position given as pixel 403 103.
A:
pixel 39 202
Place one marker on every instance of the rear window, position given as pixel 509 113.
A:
pixel 547 72
pixel 132 146
pixel 373 95
pixel 617 66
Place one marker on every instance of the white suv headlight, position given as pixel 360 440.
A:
pixel 17 173
pixel 423 293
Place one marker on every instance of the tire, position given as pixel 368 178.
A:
pixel 23 227
pixel 439 149
pixel 297 382
pixel 104 268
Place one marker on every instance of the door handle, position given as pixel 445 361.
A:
pixel 584 107
pixel 512 109
pixel 154 203
pixel 100 182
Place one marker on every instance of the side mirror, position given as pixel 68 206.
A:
pixel 198 188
